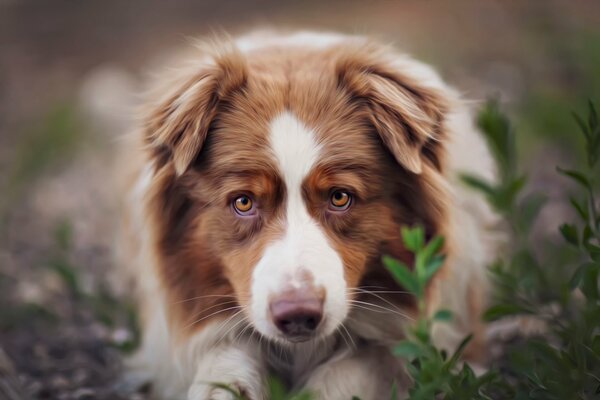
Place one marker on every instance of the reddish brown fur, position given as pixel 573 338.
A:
pixel 208 141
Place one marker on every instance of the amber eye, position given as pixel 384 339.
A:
pixel 340 200
pixel 243 205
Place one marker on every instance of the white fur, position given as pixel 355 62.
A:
pixel 220 355
pixel 304 248
pixel 155 358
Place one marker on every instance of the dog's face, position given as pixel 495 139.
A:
pixel 281 179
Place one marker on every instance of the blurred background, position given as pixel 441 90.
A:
pixel 70 78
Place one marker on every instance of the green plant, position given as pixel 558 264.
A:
pixel 557 287
pixel 560 287
pixel 435 374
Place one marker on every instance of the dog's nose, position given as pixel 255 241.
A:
pixel 297 314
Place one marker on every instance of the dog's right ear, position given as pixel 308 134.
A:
pixel 176 128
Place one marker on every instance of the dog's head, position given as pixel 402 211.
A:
pixel 282 174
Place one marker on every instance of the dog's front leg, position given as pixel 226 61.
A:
pixel 240 368
pixel 368 374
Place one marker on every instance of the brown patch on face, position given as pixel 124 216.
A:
pixel 209 143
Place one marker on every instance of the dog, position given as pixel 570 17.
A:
pixel 271 174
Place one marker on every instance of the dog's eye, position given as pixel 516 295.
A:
pixel 243 205
pixel 340 200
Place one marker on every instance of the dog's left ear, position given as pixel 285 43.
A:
pixel 177 127
pixel 407 113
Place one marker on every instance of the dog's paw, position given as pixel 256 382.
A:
pixel 219 392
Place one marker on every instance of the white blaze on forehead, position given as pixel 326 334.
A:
pixel 304 247
pixel 295 148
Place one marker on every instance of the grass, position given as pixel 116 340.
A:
pixel 106 308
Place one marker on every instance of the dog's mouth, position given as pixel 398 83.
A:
pixel 297 330
pixel 301 332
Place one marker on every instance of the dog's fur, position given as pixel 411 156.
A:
pixel 286 119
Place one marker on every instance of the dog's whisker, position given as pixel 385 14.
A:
pixel 342 326
pixel 382 308
pixel 204 297
pixel 242 320
pixel 240 335
pixel 369 309
pixel 225 324
pixel 204 310
pixel 372 286
pixel 359 290
pixel 385 300
pixel 211 315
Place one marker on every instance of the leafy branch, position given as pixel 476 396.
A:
pixel 435 373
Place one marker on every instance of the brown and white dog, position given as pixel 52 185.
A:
pixel 275 172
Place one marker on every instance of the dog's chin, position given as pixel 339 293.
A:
pixel 300 338
pixel 294 340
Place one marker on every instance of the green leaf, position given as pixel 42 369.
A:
pixel 479 184
pixel 407 349
pixel 413 238
pixel 580 208
pixel 394 395
pixel 499 135
pixel 277 389
pixel 594 251
pixel 433 247
pixel 402 274
pixel 530 209
pixel 593 116
pixel 590 282
pixel 68 274
pixel 433 266
pixel 509 192
pixel 577 277
pixel 301 396
pixel 569 233
pixel 587 234
pixel 576 176
pixel 458 352
pixel 582 125
pixel 443 316
pixel 502 310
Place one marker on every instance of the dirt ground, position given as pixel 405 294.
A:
pixel 70 76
